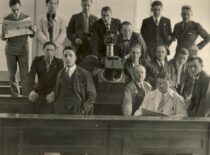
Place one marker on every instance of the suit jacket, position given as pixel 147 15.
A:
pixel 46 80
pixel 75 27
pixel 83 86
pixel 136 38
pixel 99 30
pixel 16 45
pixel 186 81
pixel 149 33
pixel 174 106
pixel 199 105
pixel 133 97
pixel 187 38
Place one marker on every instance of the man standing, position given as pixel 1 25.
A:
pixel 199 105
pixel 135 91
pixel 126 39
pixel 80 29
pixel 156 30
pixel 163 100
pixel 106 23
pixel 51 27
pixel 17 51
pixel 46 68
pixel 187 32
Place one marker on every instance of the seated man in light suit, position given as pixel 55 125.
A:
pixel 163 99
pixel 187 31
pixel 135 91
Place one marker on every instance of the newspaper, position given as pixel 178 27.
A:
pixel 146 112
pixel 17 28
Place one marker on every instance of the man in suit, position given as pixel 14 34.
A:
pixel 106 23
pixel 163 100
pixel 17 51
pixel 51 27
pixel 79 30
pixel 135 91
pixel 187 32
pixel 182 78
pixel 75 89
pixel 126 39
pixel 199 104
pixel 46 67
pixel 156 30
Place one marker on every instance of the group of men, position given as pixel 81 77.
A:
pixel 178 87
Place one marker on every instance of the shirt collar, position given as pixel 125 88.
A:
pixel 50 59
pixel 18 16
pixel 161 62
pixel 170 93
pixel 72 69
pixel 84 14
pixel 55 19
pixel 158 18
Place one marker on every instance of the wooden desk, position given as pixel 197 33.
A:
pixel 22 134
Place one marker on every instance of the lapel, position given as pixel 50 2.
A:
pixel 175 66
pixel 52 67
pixel 153 101
pixel 130 68
pixel 187 27
pixel 77 83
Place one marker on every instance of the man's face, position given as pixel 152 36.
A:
pixel 195 67
pixel 182 59
pixel 52 6
pixel 135 54
pixel 162 85
pixel 157 10
pixel 16 9
pixel 139 74
pixel 106 16
pixel 86 5
pixel 127 31
pixel 161 53
pixel 49 52
pixel 69 58
pixel 186 15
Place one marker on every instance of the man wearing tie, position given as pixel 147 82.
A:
pixel 51 27
pixel 126 39
pixel 79 30
pixel 187 32
pixel 75 89
pixel 199 105
pixel 100 27
pixel 135 91
pixel 46 68
pixel 156 30
pixel 163 99
pixel 17 51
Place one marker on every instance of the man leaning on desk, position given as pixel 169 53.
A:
pixel 163 100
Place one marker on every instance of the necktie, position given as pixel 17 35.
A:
pixel 161 67
pixel 107 26
pixel 126 47
pixel 48 65
pixel 86 23
pixel 184 26
pixel 156 21
pixel 67 71
pixel 50 18
pixel 161 104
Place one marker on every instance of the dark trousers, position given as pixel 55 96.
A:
pixel 23 63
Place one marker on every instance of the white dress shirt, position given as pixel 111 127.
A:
pixel 158 20
pixel 71 70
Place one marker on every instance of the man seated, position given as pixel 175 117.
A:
pixel 75 90
pixel 163 99
pixel 135 59
pixel 199 105
pixel 100 27
pixel 46 68
pixel 135 91
pixel 126 39
pixel 178 68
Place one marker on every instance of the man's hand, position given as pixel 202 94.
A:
pixel 33 96
pixel 78 41
pixel 50 97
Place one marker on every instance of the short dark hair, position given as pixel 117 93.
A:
pixel 47 1
pixel 125 23
pixel 106 8
pixel 163 74
pixel 86 1
pixel 184 51
pixel 70 48
pixel 195 58
pixel 14 2
pixel 136 46
pixel 48 43
pixel 157 3
pixel 186 7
